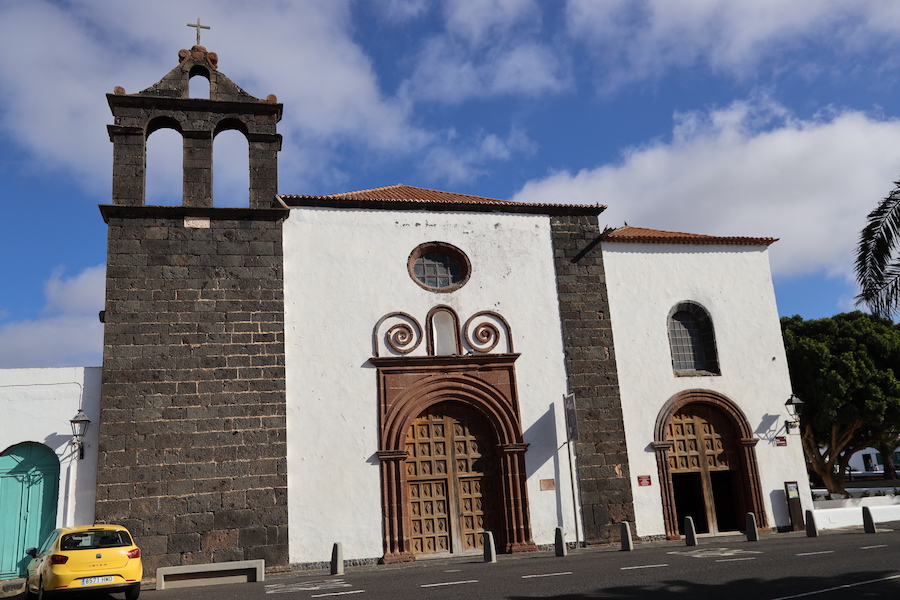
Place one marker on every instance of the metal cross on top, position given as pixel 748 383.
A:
pixel 199 27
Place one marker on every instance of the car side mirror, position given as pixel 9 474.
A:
pixel 32 552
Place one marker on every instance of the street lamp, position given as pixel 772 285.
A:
pixel 80 424
pixel 794 406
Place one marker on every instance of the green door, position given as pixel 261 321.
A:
pixel 29 486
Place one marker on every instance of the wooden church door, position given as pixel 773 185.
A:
pixel 704 463
pixel 451 474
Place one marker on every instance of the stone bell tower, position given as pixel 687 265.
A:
pixel 192 424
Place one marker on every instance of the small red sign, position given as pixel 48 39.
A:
pixel 780 440
pixel 643 480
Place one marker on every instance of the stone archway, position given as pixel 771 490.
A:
pixel 706 457
pixel 413 391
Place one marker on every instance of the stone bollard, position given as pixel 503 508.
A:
pixel 752 530
pixel 690 532
pixel 868 521
pixel 561 549
pixel 811 529
pixel 337 559
pixel 627 542
pixel 490 551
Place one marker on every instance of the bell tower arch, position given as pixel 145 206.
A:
pixel 168 104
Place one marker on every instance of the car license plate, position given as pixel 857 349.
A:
pixel 93 580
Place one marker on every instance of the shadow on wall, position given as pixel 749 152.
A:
pixel 543 447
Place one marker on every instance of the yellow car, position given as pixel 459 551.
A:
pixel 100 558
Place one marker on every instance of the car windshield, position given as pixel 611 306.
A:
pixel 91 540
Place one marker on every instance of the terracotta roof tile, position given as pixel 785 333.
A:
pixel 408 197
pixel 409 192
pixel 641 235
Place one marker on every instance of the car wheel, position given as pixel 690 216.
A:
pixel 132 593
pixel 41 594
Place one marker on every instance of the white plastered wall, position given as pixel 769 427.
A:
pixel 37 405
pixel 344 270
pixel 733 283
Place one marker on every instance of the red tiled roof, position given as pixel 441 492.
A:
pixel 641 235
pixel 409 192
pixel 408 197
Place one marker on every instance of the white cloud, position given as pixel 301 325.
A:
pixel 479 21
pixel 68 332
pixel 750 169
pixel 458 163
pixel 635 40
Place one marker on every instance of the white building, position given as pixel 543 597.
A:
pixel 43 482
pixel 394 369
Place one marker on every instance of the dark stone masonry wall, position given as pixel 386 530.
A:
pixel 601 457
pixel 192 424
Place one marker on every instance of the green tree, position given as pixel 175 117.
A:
pixel 845 369
pixel 878 258
pixel 886 444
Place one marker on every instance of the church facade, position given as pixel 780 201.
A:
pixel 401 369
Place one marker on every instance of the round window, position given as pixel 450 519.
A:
pixel 439 267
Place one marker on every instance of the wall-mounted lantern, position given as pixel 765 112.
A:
pixel 80 424
pixel 794 406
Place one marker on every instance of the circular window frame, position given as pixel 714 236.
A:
pixel 440 248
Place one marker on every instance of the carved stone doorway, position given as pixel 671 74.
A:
pixel 451 476
pixel 707 464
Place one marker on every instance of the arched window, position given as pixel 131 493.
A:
pixel 692 341
pixel 164 163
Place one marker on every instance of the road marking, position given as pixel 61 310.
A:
pixel 642 567
pixel 815 553
pixel 735 559
pixel 840 587
pixel 546 575
pixel 453 571
pixel 714 552
pixel 306 586
pixel 448 583
pixel 873 547
pixel 338 593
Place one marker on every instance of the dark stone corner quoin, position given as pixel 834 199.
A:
pixel 602 461
pixel 193 403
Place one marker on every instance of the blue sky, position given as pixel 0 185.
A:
pixel 727 117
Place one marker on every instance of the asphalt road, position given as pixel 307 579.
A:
pixel 837 565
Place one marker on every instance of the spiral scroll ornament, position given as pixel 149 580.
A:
pixel 402 337
pixel 484 335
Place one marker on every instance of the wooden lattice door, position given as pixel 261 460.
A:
pixel 451 474
pixel 704 463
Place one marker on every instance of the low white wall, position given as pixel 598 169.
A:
pixel 36 405
pixel 834 514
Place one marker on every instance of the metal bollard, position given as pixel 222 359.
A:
pixel 627 542
pixel 561 549
pixel 690 532
pixel 337 559
pixel 868 521
pixel 490 551
pixel 751 529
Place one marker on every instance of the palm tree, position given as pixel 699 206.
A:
pixel 878 258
